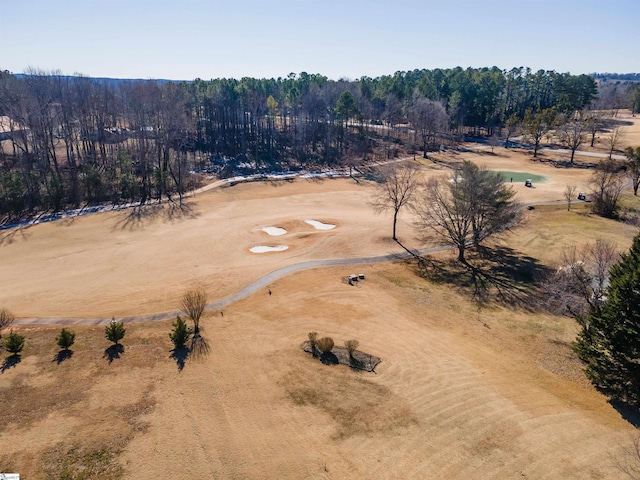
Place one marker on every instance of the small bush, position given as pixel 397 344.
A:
pixel 114 332
pixel 351 346
pixel 14 343
pixel 181 332
pixel 65 339
pixel 313 336
pixel 325 344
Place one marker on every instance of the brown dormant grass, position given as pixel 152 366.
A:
pixel 464 391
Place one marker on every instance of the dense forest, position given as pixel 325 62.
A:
pixel 75 141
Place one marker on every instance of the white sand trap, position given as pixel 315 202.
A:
pixel 274 231
pixel 319 225
pixel 264 248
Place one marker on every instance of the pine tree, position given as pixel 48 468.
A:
pixel 610 343
pixel 66 339
pixel 114 332
pixel 180 333
pixel 14 343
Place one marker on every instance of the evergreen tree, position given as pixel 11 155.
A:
pixel 610 343
pixel 114 332
pixel 14 343
pixel 66 339
pixel 180 333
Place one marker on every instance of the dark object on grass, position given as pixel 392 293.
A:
pixel 114 332
pixel 339 355
pixel 181 333
pixel 14 343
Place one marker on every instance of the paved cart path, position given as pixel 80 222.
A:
pixel 239 295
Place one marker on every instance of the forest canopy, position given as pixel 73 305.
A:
pixel 73 141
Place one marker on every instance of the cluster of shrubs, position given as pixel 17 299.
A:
pixel 324 345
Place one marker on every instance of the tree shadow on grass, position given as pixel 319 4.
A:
pixel 113 352
pixel 630 413
pixel 62 355
pixel 329 358
pixel 10 362
pixel 497 274
pixel 10 235
pixel 339 355
pixel 136 218
pixel 178 211
pixel 180 354
pixel 199 347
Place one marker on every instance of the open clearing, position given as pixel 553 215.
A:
pixel 462 392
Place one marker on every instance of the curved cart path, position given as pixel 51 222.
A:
pixel 239 295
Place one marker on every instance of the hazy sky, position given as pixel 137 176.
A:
pixel 186 39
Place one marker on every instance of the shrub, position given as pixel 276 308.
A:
pixel 180 333
pixel 114 332
pixel 313 336
pixel 14 343
pixel 324 344
pixel 65 339
pixel 351 346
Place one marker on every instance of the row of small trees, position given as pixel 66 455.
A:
pixel 15 343
pixel 193 304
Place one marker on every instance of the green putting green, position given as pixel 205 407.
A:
pixel 519 177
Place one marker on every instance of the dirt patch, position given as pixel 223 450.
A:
pixel 359 407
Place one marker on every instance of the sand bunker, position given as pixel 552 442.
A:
pixel 274 231
pixel 319 225
pixel 264 248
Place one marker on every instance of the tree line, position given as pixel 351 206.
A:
pixel 72 141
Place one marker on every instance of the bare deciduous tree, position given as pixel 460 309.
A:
pixel 579 285
pixel 443 216
pixel 396 190
pixel 429 119
pixel 606 184
pixel 594 122
pixel 613 139
pixel 6 319
pixel 512 126
pixel 466 208
pixel 572 136
pixel 193 303
pixel 629 462
pixel 537 125
pixel 569 194
pixel 633 167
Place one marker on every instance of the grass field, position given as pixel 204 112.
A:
pixel 521 177
pixel 464 390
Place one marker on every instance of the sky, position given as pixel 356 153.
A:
pixel 188 39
